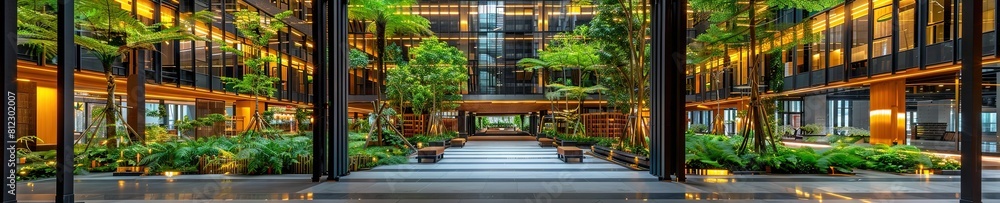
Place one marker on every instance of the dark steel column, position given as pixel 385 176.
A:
pixel 472 124
pixel 319 90
pixel 67 59
pixel 460 121
pixel 533 123
pixel 971 101
pixel 10 100
pixel 667 121
pixel 338 89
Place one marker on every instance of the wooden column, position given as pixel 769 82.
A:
pixel 888 112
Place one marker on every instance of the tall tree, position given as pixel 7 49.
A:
pixel 570 50
pixel 258 30
pixel 738 23
pixel 431 81
pixel 621 29
pixel 111 33
pixel 386 19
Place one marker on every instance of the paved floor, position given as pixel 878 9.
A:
pixel 513 171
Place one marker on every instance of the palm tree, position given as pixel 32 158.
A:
pixel 111 33
pixel 385 19
pixel 36 28
pixel 114 33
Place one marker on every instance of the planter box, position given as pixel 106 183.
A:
pixel 130 171
pixel 443 143
pixel 584 144
pixel 707 172
pixel 948 172
pixel 540 136
pixel 561 142
pixel 621 156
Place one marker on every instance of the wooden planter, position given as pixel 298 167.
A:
pixel 629 158
pixel 540 136
pixel 442 143
pixel 948 172
pixel 564 143
pixel 707 172
pixel 130 171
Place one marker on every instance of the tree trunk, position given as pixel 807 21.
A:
pixel 380 46
pixel 110 108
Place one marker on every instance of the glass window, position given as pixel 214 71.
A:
pixel 989 15
pixel 989 122
pixel 859 36
pixel 839 112
pixel 836 36
pixel 882 28
pixel 907 25
pixel 819 47
pixel 939 12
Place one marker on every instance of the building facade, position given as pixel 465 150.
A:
pixel 181 79
pixel 887 66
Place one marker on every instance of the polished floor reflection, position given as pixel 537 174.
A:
pixel 490 170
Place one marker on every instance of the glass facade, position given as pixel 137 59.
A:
pixel 493 34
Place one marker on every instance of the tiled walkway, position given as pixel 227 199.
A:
pixel 487 170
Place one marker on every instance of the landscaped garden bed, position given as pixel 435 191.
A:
pixel 720 152
pixel 621 156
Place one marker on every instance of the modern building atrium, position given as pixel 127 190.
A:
pixel 501 101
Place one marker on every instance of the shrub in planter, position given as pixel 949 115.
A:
pixel 698 128
pixel 811 129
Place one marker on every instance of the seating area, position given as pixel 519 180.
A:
pixel 566 153
pixel 433 153
pixel 458 142
pixel 546 142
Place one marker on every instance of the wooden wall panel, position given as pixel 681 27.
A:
pixel 888 112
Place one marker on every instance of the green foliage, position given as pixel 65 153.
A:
pixel 302 116
pixel 358 59
pixel 811 129
pixel 713 151
pixel 431 138
pixel 258 30
pixel 698 128
pixel 942 163
pixel 358 125
pixel 156 133
pixel 431 82
pixel 184 124
pixel 729 22
pixel 387 13
pixel 262 155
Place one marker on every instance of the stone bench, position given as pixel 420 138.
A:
pixel 458 142
pixel 566 153
pixel 546 142
pixel 433 153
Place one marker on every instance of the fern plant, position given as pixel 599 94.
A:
pixel 258 30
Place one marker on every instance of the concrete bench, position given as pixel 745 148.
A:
pixel 433 153
pixel 566 153
pixel 546 142
pixel 458 142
